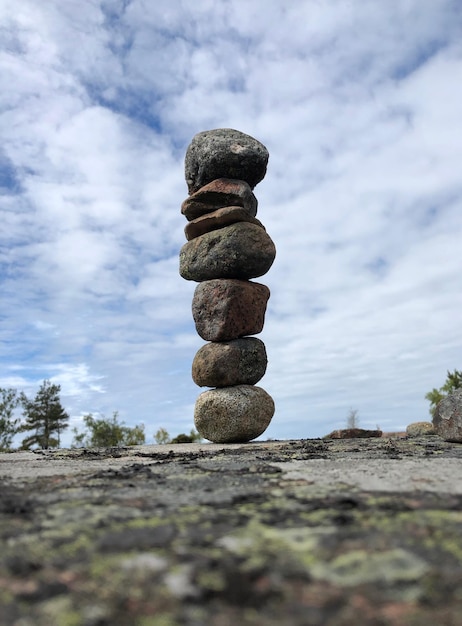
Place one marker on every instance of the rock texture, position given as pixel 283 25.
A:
pixel 218 219
pixel 447 419
pixel 229 309
pixel 419 429
pixel 241 250
pixel 310 532
pixel 220 193
pixel 233 414
pixel 227 363
pixel 224 153
pixel 226 247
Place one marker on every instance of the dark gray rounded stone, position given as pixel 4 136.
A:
pixel 241 250
pixel 223 364
pixel 233 414
pixel 224 153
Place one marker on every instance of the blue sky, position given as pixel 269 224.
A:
pixel 359 106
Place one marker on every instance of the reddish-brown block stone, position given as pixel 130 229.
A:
pixel 225 309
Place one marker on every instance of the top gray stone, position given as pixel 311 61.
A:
pixel 224 153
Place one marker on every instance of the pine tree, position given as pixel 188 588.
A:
pixel 9 425
pixel 46 416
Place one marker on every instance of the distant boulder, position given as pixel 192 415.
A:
pixel 353 433
pixel 447 418
pixel 419 429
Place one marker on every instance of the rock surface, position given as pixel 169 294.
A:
pixel 240 251
pixel 229 309
pixel 224 153
pixel 325 533
pixel 218 219
pixel 238 362
pixel 419 429
pixel 233 414
pixel 447 419
pixel 220 193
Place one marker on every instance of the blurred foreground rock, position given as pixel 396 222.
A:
pixel 310 532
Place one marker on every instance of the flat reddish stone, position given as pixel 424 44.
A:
pixel 218 219
pixel 240 250
pixel 222 364
pixel 225 309
pixel 218 194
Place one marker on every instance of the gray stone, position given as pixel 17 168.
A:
pixel 238 362
pixel 419 429
pixel 224 153
pixel 219 219
pixel 228 309
pixel 241 250
pixel 233 414
pixel 218 194
pixel 447 418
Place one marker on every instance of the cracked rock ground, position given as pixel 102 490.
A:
pixel 310 532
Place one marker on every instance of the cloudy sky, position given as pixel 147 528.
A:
pixel 359 104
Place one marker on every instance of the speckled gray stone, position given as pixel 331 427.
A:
pixel 241 251
pixel 223 364
pixel 233 414
pixel 224 153
pixel 419 429
pixel 447 418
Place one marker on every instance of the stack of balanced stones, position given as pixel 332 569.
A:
pixel 226 247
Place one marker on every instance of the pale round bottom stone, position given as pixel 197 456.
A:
pixel 233 414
